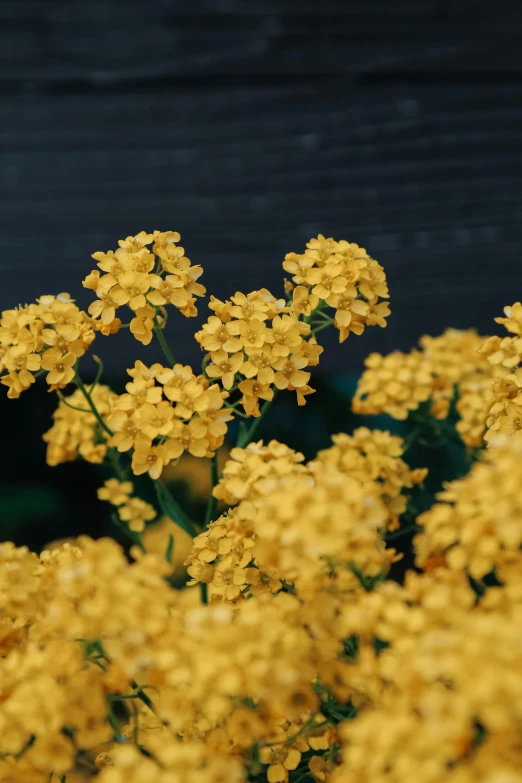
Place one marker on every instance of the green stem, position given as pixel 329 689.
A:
pixel 212 501
pixel 72 407
pixel 321 327
pixel 203 589
pixel 403 531
pixel 98 374
pixel 237 412
pixel 131 534
pixel 80 384
pixel 245 437
pixel 172 509
pixel 410 439
pixel 114 459
pixel 163 343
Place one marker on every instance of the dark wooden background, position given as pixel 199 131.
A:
pixel 250 126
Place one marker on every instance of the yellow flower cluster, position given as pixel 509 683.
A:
pixel 504 397
pixel 341 276
pixel 84 632
pixel 48 336
pixel 131 510
pixel 241 342
pixel 75 431
pixel 373 458
pixel 245 467
pixel 448 365
pixel 165 412
pixel 443 692
pixel 395 384
pixel 291 654
pixel 144 280
pixel 477 525
pixel 304 525
pixel 109 673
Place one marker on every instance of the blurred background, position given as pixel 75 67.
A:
pixel 250 126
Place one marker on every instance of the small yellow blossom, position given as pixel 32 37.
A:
pixel 115 492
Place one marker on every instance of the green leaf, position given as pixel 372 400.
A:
pixel 172 509
pixel 170 549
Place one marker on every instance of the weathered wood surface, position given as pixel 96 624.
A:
pixel 251 126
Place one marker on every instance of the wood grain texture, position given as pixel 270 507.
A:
pixel 251 126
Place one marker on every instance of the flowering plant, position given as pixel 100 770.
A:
pixel 291 653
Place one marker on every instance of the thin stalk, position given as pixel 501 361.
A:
pixel 321 327
pixel 203 590
pixel 212 501
pixel 163 343
pixel 80 384
pixel 98 374
pixel 114 459
pixel 245 438
pixel 73 407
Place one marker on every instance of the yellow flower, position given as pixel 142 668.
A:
pixel 116 492
pixel 105 306
pixel 60 367
pixel 139 392
pixel 245 307
pixel 142 325
pixel 53 753
pixel 253 334
pixel 19 359
pixel 131 289
pixel 513 320
pixel 174 380
pixel 169 290
pixel 191 437
pixel 303 301
pixel 259 364
pixel 298 266
pixel 285 335
pixel 193 398
pixel 252 392
pixel 125 428
pixel 147 458
pixel 216 335
pixel 143 261
pixel 224 366
pixel 135 244
pixel 136 513
pixel 290 371
pixel 155 420
pixel 66 319
pixel 281 760
pixel 327 280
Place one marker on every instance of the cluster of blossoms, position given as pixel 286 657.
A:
pixel 373 458
pixel 164 412
pixel 111 675
pixel 255 345
pixel 309 525
pixel 134 511
pixel 75 432
pixel 477 523
pixel 504 398
pixel 442 699
pixel 341 276
pixel 254 356
pixel 48 336
pixel 290 654
pixel 446 368
pixel 144 280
